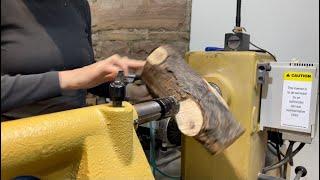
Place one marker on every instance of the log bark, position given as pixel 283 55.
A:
pixel 203 112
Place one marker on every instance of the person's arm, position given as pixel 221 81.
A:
pixel 25 89
pixel 21 90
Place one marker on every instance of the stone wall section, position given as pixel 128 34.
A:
pixel 134 28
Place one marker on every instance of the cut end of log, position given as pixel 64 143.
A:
pixel 189 117
pixel 157 56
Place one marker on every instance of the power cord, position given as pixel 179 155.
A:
pixel 272 147
pixel 288 153
pixel 279 159
pixel 286 159
pixel 240 29
pixel 275 59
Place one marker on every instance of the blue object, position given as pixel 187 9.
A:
pixel 26 178
pixel 213 49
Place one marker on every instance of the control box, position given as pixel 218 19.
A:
pixel 289 100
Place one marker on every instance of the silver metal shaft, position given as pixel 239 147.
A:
pixel 156 109
pixel 148 111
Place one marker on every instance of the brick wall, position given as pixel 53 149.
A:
pixel 134 28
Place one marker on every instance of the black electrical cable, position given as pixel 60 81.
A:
pixel 278 153
pixel 260 92
pixel 288 153
pixel 283 169
pixel 279 159
pixel 284 160
pixel 275 59
pixel 272 149
pixel 274 146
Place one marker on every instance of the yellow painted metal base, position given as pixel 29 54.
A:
pixel 235 74
pixel 97 142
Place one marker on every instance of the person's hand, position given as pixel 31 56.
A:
pixel 98 73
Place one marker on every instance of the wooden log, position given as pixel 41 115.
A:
pixel 203 112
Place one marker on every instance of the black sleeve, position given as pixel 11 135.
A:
pixel 88 20
pixel 21 90
pixel 101 90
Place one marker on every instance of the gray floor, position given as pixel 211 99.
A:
pixel 169 162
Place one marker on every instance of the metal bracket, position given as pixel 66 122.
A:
pixel 262 72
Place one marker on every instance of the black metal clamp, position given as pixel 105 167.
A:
pixel 117 90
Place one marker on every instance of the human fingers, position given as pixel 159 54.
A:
pixel 114 57
pixel 114 60
pixel 125 63
pixel 112 72
pixel 122 64
pixel 135 64
pixel 117 60
pixel 132 63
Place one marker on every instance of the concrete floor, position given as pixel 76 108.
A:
pixel 169 162
pixel 172 165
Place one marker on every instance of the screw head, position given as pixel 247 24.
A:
pixel 301 168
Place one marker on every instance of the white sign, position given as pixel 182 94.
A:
pixel 296 98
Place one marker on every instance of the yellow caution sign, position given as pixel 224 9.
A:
pixel 297 76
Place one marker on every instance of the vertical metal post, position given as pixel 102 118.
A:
pixel 238 16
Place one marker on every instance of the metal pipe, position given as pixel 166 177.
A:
pixel 148 111
pixel 298 176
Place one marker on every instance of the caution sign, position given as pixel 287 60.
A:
pixel 296 99
pixel 298 76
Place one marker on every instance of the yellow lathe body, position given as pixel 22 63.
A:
pixel 97 142
pixel 235 74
